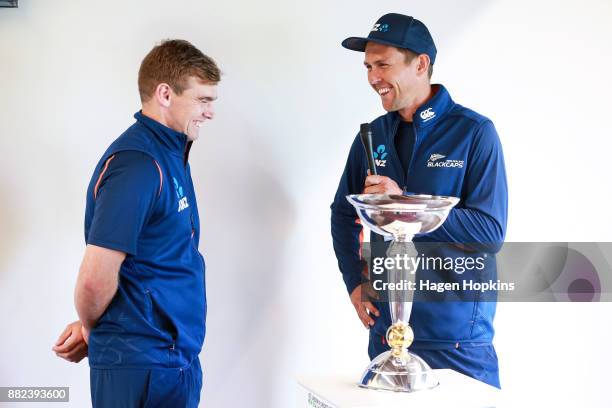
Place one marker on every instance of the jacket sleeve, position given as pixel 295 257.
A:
pixel 124 199
pixel 346 229
pixel 482 216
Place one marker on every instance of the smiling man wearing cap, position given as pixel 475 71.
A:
pixel 426 144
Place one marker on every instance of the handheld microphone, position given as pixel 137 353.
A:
pixel 365 133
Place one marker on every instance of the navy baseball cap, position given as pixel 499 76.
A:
pixel 398 31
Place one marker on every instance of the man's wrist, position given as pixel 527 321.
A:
pixel 87 323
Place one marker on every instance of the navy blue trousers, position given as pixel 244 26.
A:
pixel 479 362
pixel 146 388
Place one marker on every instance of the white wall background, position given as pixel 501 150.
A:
pixel 267 167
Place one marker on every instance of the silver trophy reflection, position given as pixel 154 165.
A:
pixel 399 217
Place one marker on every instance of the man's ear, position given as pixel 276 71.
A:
pixel 424 63
pixel 163 94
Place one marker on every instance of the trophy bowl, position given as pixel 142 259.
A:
pixel 400 217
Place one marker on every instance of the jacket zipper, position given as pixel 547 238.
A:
pixel 191 189
pixel 185 152
pixel 414 145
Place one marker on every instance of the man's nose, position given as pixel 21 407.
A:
pixel 373 78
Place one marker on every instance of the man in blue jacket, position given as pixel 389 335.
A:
pixel 140 292
pixel 426 144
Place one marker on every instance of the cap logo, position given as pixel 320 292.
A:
pixel 382 28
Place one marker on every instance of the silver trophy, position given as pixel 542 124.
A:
pixel 400 218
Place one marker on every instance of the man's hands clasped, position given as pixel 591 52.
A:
pixel 72 343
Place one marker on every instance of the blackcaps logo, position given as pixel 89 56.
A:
pixel 435 160
pixel 181 197
pixel 383 28
pixel 379 156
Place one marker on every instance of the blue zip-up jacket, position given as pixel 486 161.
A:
pixel 141 201
pixel 457 152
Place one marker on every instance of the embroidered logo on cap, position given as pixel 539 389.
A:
pixel 382 28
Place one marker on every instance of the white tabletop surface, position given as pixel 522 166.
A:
pixel 455 390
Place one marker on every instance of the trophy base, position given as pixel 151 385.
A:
pixel 414 374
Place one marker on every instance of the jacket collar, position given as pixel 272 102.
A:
pixel 428 113
pixel 169 138
pixel 432 110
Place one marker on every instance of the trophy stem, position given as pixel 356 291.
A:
pixel 403 238
pixel 401 275
pixel 400 335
